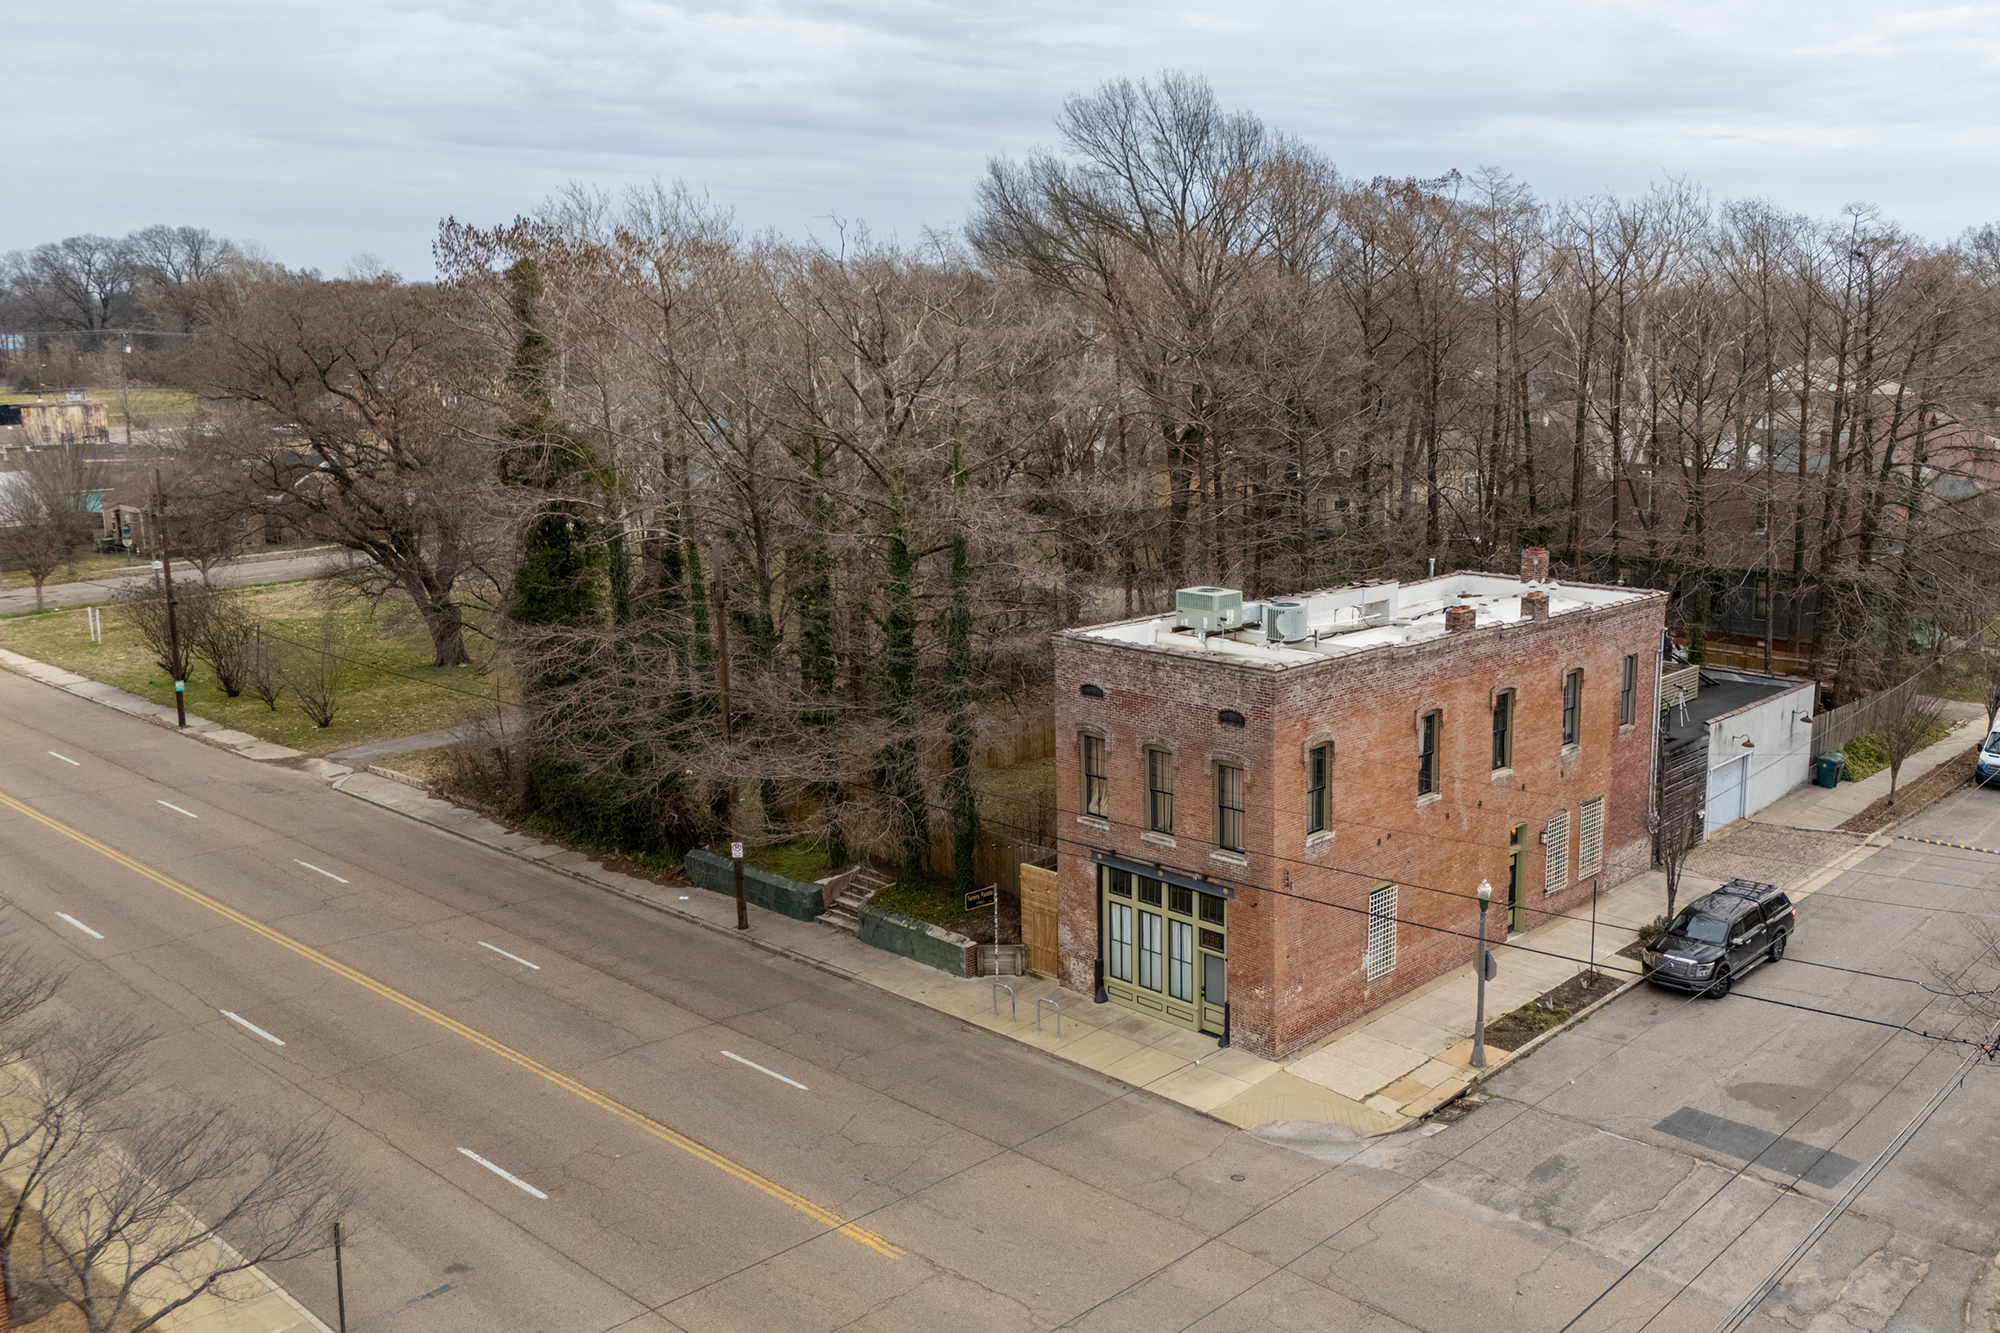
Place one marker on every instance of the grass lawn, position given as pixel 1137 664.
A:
pixel 798 859
pixel 391 690
pixel 933 898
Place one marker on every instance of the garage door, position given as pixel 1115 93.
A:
pixel 1725 792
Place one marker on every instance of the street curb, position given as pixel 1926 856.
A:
pixel 817 964
pixel 1812 884
pixel 616 890
pixel 1556 1031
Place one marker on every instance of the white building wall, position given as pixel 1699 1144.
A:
pixel 1780 731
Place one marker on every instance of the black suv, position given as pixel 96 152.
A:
pixel 1720 936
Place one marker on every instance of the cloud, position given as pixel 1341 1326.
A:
pixel 327 133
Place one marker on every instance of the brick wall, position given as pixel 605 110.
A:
pixel 1298 927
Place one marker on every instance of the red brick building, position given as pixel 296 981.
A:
pixel 1286 809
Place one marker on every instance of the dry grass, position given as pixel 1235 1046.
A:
pixel 393 690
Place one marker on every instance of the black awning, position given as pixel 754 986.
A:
pixel 1152 870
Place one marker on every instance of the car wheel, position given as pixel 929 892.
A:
pixel 1778 948
pixel 1720 986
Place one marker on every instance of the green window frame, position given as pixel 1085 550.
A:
pixel 1573 707
pixel 1160 791
pixel 1319 767
pixel 1427 753
pixel 1096 785
pixel 1628 692
pixel 1229 807
pixel 1503 730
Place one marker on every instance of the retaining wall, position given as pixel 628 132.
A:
pixel 933 946
pixel 774 893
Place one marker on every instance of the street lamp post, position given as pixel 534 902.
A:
pixel 1479 1016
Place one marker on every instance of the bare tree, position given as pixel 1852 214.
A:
pixel 82 282
pixel 264 673
pixel 316 671
pixel 181 1204
pixel 45 511
pixel 144 607
pixel 219 634
pixel 1682 828
pixel 365 410
pixel 1913 724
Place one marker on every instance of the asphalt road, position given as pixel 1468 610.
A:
pixel 19 594
pixel 886 1168
pixel 1698 1141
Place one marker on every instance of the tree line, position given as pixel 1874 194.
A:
pixel 769 528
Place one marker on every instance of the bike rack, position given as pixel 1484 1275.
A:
pixel 1045 1000
pixel 1013 1016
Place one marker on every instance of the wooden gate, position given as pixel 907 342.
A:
pixel 1038 919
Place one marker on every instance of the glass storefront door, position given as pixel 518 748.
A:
pixel 1164 948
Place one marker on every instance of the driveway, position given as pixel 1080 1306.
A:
pixel 1696 1142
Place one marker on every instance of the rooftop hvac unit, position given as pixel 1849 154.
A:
pixel 1285 621
pixel 1208 610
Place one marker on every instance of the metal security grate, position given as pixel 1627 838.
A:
pixel 1590 839
pixel 1381 931
pixel 1557 838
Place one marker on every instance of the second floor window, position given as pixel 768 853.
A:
pixel 1229 807
pixel 1628 690
pixel 1094 780
pixel 1427 754
pixel 1503 729
pixel 1572 707
pixel 1159 791
pixel 1319 765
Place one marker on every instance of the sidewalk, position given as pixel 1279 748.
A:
pixel 1813 807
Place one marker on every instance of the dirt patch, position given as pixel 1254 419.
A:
pixel 1511 1031
pixel 1913 797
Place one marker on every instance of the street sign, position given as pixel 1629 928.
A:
pixel 1491 965
pixel 736 851
pixel 158 565
pixel 981 897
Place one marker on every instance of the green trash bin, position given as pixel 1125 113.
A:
pixel 1829 769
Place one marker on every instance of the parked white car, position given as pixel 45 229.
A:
pixel 1987 767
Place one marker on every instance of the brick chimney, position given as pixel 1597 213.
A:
pixel 1458 618
pixel 1535 605
pixel 1535 564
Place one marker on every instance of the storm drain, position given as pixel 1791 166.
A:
pixel 1816 1166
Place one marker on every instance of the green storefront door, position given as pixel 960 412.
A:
pixel 1164 949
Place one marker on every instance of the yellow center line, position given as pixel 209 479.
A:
pixel 825 1217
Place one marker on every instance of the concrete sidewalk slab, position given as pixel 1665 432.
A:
pixel 1813 807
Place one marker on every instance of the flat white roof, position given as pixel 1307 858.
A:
pixel 1353 619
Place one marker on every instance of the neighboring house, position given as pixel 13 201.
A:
pixel 1732 741
pixel 53 425
pixel 1275 829
pixel 1642 532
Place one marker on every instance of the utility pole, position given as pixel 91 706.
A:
pixel 339 1280
pixel 173 629
pixel 722 687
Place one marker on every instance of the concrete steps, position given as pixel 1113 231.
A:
pixel 860 884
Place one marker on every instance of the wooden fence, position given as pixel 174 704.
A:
pixel 1038 918
pixel 1834 729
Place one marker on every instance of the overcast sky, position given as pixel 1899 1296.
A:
pixel 328 132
